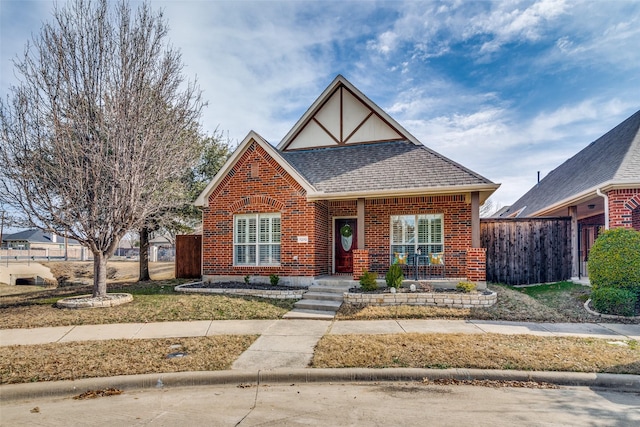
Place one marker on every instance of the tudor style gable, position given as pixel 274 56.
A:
pixel 342 115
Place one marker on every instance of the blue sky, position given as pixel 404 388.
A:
pixel 504 88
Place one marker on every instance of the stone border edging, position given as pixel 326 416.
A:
pixel 263 293
pixel 88 301
pixel 605 316
pixel 439 299
pixel 621 382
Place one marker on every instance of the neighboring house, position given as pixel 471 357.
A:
pixel 36 239
pixel 599 188
pixel 348 189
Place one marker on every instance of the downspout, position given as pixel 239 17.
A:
pixel 606 207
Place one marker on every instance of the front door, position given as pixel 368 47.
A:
pixel 346 241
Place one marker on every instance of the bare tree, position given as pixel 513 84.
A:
pixel 489 208
pixel 97 134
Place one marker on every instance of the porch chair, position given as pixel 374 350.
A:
pixel 436 264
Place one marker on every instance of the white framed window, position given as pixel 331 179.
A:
pixel 256 239
pixel 410 233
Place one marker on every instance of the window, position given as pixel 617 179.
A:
pixel 256 239
pixel 412 232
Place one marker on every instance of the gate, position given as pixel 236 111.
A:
pixel 188 256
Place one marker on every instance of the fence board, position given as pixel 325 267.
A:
pixel 527 250
pixel 188 256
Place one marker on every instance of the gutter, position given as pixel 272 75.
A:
pixel 606 207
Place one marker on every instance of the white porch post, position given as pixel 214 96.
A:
pixel 475 219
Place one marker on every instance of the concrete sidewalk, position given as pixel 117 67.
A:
pixel 315 328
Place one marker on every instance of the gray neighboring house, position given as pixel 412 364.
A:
pixel 35 239
pixel 599 188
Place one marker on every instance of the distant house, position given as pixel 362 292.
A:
pixel 36 239
pixel 599 188
pixel 348 189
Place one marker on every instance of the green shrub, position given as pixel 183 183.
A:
pixel 247 279
pixel 614 259
pixel 274 279
pixel 621 302
pixel 368 281
pixel 394 276
pixel 466 287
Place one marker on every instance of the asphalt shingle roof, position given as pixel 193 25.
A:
pixel 34 236
pixel 614 157
pixel 380 166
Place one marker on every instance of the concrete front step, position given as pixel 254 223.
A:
pixel 325 296
pixel 298 313
pixel 312 304
pixel 328 289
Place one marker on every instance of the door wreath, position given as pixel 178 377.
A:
pixel 346 237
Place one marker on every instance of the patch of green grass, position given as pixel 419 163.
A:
pixel 543 290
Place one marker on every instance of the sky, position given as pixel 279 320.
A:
pixel 506 89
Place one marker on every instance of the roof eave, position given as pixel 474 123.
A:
pixel 484 189
pixel 586 195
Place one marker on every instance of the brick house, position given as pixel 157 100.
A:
pixel 599 188
pixel 348 189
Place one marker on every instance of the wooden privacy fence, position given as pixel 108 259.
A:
pixel 524 251
pixel 188 256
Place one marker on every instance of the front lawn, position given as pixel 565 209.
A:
pixel 89 359
pixel 154 301
pixel 471 351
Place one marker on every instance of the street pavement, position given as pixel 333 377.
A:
pixel 333 404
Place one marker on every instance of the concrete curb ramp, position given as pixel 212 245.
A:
pixel 619 382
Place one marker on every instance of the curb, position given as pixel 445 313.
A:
pixel 619 382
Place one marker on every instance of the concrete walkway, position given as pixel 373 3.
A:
pixel 290 343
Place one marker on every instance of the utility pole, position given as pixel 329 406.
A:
pixel 1 227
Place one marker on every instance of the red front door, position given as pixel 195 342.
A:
pixel 346 241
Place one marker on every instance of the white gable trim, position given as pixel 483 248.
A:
pixel 325 97
pixel 203 198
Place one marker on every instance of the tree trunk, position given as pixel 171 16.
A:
pixel 144 254
pixel 99 274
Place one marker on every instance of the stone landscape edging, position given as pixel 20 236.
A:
pixel 438 299
pixel 605 316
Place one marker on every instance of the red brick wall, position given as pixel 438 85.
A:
pixel 457 224
pixel 622 204
pixel 477 264
pixel 258 184
pixel 593 220
pixel 360 262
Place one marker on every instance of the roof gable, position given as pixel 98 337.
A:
pixel 252 137
pixel 342 115
pixel 612 159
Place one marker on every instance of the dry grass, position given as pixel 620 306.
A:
pixel 144 308
pixel 486 351
pixel 117 271
pixel 69 361
pixel 512 305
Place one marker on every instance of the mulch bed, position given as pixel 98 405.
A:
pixel 240 285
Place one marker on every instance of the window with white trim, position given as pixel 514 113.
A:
pixel 410 233
pixel 256 239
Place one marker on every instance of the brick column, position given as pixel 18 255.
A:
pixel 360 262
pixel 477 264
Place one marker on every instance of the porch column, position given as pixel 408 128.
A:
pixel 360 209
pixel 575 256
pixel 475 219
pixel 360 262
